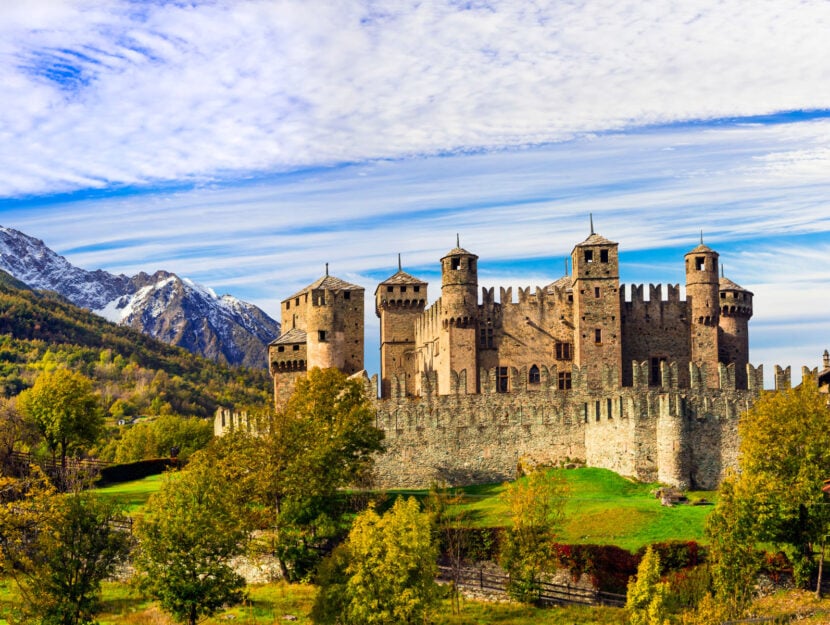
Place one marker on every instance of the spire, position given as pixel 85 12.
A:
pixel 591 217
pixel 566 266
pixel 327 269
pixel 722 268
pixel 399 262
pixel 457 240
pixel 701 236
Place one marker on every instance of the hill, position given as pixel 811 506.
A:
pixel 134 373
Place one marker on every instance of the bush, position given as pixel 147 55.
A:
pixel 118 473
pixel 676 555
pixel 609 567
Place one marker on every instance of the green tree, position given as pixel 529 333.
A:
pixel 385 572
pixel 646 600
pixel 16 433
pixel 191 529
pixel 323 441
pixel 536 503
pixel 59 548
pixel 776 498
pixel 64 409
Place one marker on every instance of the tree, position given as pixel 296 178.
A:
pixel 536 503
pixel 64 409
pixel 191 529
pixel 776 497
pixel 323 441
pixel 452 526
pixel 647 596
pixel 59 548
pixel 15 432
pixel 385 572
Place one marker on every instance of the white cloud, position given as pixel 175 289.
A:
pixel 118 92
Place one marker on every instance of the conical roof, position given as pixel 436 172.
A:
pixel 289 338
pixel 329 283
pixel 701 249
pixel 458 251
pixel 725 284
pixel 595 239
pixel 401 277
pixel 563 283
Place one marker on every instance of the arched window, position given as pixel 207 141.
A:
pixel 533 376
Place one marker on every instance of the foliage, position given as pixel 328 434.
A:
pixel 676 555
pixel 323 441
pixel 63 407
pixel 384 573
pixel 536 504
pixel 732 530
pixel 608 567
pixel 132 372
pixel 16 434
pixel 190 531
pixel 58 549
pixel 155 438
pixel 452 533
pixel 647 596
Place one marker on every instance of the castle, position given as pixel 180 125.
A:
pixel 575 370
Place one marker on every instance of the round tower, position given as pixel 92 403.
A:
pixel 459 318
pixel 735 311
pixel 702 296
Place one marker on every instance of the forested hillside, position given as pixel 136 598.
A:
pixel 133 373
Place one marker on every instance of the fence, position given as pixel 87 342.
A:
pixel 549 594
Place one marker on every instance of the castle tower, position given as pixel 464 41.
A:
pixel 322 326
pixel 596 293
pixel 733 341
pixel 459 318
pixel 399 301
pixel 702 297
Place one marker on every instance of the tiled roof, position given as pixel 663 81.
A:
pixel 458 251
pixel 291 337
pixel 702 248
pixel 725 284
pixel 595 239
pixel 330 283
pixel 565 282
pixel 402 278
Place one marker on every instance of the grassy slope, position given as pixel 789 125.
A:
pixel 133 495
pixel 602 508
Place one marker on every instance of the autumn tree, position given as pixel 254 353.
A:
pixel 63 407
pixel 646 599
pixel 59 548
pixel 536 504
pixel 191 529
pixel 323 441
pixel 16 433
pixel 384 574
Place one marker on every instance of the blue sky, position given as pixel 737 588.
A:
pixel 245 144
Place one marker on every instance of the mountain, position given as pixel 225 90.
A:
pixel 163 305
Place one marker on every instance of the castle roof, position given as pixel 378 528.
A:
pixel 702 249
pixel 564 283
pixel 458 251
pixel 595 239
pixel 289 338
pixel 725 284
pixel 329 283
pixel 401 277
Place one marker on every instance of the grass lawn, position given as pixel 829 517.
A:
pixel 602 508
pixel 132 494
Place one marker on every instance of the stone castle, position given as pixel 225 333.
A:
pixel 575 370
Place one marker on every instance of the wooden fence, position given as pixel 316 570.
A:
pixel 549 594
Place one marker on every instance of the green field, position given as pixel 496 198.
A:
pixel 133 495
pixel 602 508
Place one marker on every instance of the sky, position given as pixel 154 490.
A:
pixel 244 144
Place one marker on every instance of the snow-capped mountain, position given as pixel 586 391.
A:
pixel 162 305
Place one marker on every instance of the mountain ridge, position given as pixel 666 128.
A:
pixel 163 305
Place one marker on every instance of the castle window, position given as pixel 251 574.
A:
pixel 455 263
pixel 501 379
pixel 723 295
pixel 533 376
pixel 596 410
pixel 297 301
pixel 485 337
pixel 589 256
pixel 609 406
pixel 603 256
pixel 596 291
pixel 564 381
pixel 281 348
pixel 296 348
pixel 417 289
pixel 389 289
pixel 564 351
pixel 700 263
pixel 347 295
pixel 403 289
pixel 598 336
pixel 656 378
pixel 287 305
pixel 321 336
